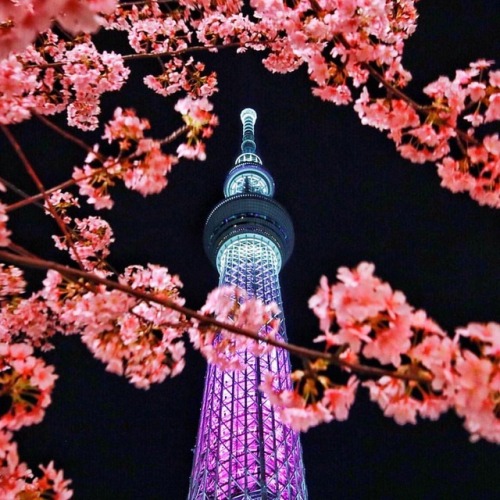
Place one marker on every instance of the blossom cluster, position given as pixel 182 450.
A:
pixel 134 338
pixel 20 22
pixel 54 75
pixel 86 240
pixel 169 32
pixel 198 117
pixel 140 163
pixel 181 75
pixel 22 320
pixel 424 133
pixel 313 401
pixel 337 40
pixel 18 481
pixel 26 383
pixel 149 28
pixel 233 306
pixel 426 373
pixel 476 383
pixel 11 281
pixel 88 243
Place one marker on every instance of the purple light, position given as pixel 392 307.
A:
pixel 242 450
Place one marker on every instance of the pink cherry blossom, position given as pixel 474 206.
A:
pixel 125 127
pixel 475 395
pixel 11 281
pixel 27 320
pixel 88 242
pixel 339 399
pixel 488 334
pixel 27 382
pixel 232 305
pixel 4 232
pixel 135 339
pixel 294 409
pixel 18 481
pixel 25 19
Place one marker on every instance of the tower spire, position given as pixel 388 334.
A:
pixel 248 173
pixel 248 118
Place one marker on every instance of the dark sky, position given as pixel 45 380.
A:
pixel 351 198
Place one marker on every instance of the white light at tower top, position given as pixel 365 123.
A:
pixel 248 118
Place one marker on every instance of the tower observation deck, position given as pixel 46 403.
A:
pixel 243 451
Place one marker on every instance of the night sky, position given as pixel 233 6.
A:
pixel 352 198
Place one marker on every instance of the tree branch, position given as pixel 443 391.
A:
pixel 302 352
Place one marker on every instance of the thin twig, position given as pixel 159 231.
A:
pixel 19 192
pixel 67 135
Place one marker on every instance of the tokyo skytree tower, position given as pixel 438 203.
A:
pixel 242 450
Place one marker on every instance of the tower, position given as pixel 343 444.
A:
pixel 242 450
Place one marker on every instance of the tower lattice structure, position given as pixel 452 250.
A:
pixel 243 451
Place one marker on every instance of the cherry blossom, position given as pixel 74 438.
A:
pixel 11 281
pixel 18 481
pixel 231 304
pixel 27 320
pixel 369 317
pixel 22 21
pixel 140 341
pixel 88 242
pixel 197 115
pixel 478 172
pixel 26 386
pixel 180 75
pixel 53 75
pixel 314 400
pixel 141 162
pixel 364 318
pixel 476 381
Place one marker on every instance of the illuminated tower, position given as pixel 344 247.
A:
pixel 242 450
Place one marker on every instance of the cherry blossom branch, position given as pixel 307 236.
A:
pixel 174 53
pixel 299 351
pixel 153 55
pixel 36 197
pixel 71 182
pixel 419 108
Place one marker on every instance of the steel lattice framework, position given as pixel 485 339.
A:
pixel 243 451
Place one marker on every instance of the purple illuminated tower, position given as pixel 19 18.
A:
pixel 242 450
